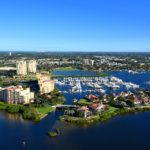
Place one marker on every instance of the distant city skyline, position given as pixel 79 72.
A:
pixel 75 25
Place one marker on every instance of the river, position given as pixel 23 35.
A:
pixel 122 132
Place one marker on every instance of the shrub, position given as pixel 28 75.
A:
pixel 13 108
pixel 54 133
pixel 31 114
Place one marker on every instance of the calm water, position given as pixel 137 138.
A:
pixel 123 132
pixel 128 132
pixel 75 73
pixel 139 79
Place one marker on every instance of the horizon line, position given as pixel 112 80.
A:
pixel 74 51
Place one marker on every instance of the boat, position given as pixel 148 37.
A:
pixel 102 91
pixel 148 82
pixel 24 143
pixel 133 72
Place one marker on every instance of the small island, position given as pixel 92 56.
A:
pixel 54 133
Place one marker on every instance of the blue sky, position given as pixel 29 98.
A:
pixel 75 25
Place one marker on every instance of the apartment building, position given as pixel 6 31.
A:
pixel 16 95
pixel 21 67
pixel 24 67
pixel 31 66
pixel 45 83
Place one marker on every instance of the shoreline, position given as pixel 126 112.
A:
pixel 65 69
pixel 104 116
pixel 80 76
pixel 28 113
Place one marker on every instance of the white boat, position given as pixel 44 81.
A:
pixel 148 82
pixel 133 72
pixel 102 90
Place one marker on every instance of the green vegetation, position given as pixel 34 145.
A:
pixel 38 110
pixel 133 109
pixel 57 97
pixel 65 68
pixel 28 112
pixel 3 106
pixel 99 117
pixel 36 113
pixel 53 98
pixel 9 81
pixel 103 116
pixel 54 133
pixel 104 74
pixel 31 114
pixel 13 108
pixel 83 102
pixel 111 112
pixel 4 83
pixel 45 110
pixel 78 76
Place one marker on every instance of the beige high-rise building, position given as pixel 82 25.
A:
pixel 88 62
pixel 16 95
pixel 45 83
pixel 21 67
pixel 24 67
pixel 31 66
pixel 47 86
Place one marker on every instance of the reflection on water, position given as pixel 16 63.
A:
pixel 15 116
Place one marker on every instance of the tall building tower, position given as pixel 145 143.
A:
pixel 21 67
pixel 88 62
pixel 10 54
pixel 31 66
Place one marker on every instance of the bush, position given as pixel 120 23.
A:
pixel 3 106
pixel 58 100
pixel 54 133
pixel 13 108
pixel 31 114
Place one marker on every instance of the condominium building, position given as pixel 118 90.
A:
pixel 31 66
pixel 21 67
pixel 16 95
pixel 25 67
pixel 47 86
pixel 89 62
pixel 45 83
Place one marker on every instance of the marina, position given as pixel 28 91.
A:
pixel 79 87
pixel 116 82
pixel 97 84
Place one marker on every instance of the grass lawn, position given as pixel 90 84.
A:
pixel 84 102
pixel 35 114
pixel 104 75
pixel 112 109
pixel 45 110
pixel 3 105
pixel 65 68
